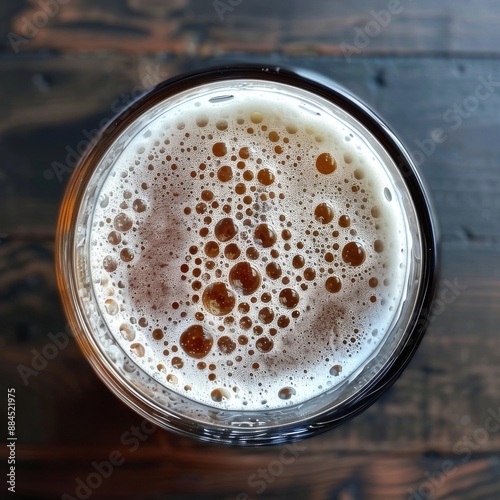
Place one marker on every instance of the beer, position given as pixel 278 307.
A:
pixel 247 256
pixel 249 253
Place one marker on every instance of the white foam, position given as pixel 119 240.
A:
pixel 157 184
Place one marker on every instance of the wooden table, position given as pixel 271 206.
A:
pixel 423 66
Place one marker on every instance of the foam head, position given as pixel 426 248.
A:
pixel 249 251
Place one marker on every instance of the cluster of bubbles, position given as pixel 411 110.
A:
pixel 274 242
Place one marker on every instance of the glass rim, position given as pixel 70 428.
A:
pixel 254 436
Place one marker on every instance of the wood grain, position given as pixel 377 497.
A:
pixel 419 73
pixel 197 28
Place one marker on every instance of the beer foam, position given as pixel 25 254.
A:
pixel 249 251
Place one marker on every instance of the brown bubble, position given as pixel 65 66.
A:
pixel 353 254
pixel 157 334
pixel 246 323
pixel 333 284
pixel 127 332
pixel 204 232
pixel 126 255
pixel 243 340
pixel 248 200
pixel 201 208
pixel 344 221
pixel 289 298
pixel 201 365
pixel 323 213
pixel 373 282
pixel 274 137
pixel 335 370
pixel 219 149
pixel 218 299
pixel 244 278
pixel 286 234
pixel 196 285
pixel 112 308
pixel 212 249
pixel 109 264
pixel 378 246
pixel 138 349
pixel 264 344
pixel 265 235
pixel 298 261
pixel 256 117
pixel 226 345
pixel 248 175
pixel 219 395
pixel 240 188
pixel 252 253
pixel 232 251
pixel 202 121
pixel 329 257
pixel 265 176
pixel 265 297
pixel 244 153
pixel 266 315
pixel 114 238
pixel 225 229
pixel 309 274
pixel 358 174
pixel 177 362
pixel 196 342
pixel 139 205
pixel 325 163
pixel 273 270
pixel 225 173
pixel 122 222
pixel 373 298
pixel 207 195
pixel 221 125
pixel 375 211
pixel 143 322
pixel 286 393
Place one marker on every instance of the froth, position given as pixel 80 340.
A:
pixel 249 253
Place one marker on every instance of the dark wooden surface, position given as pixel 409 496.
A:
pixel 417 73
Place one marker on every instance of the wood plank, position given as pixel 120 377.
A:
pixel 57 101
pixel 447 392
pixel 297 474
pixel 200 28
pixel 455 372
